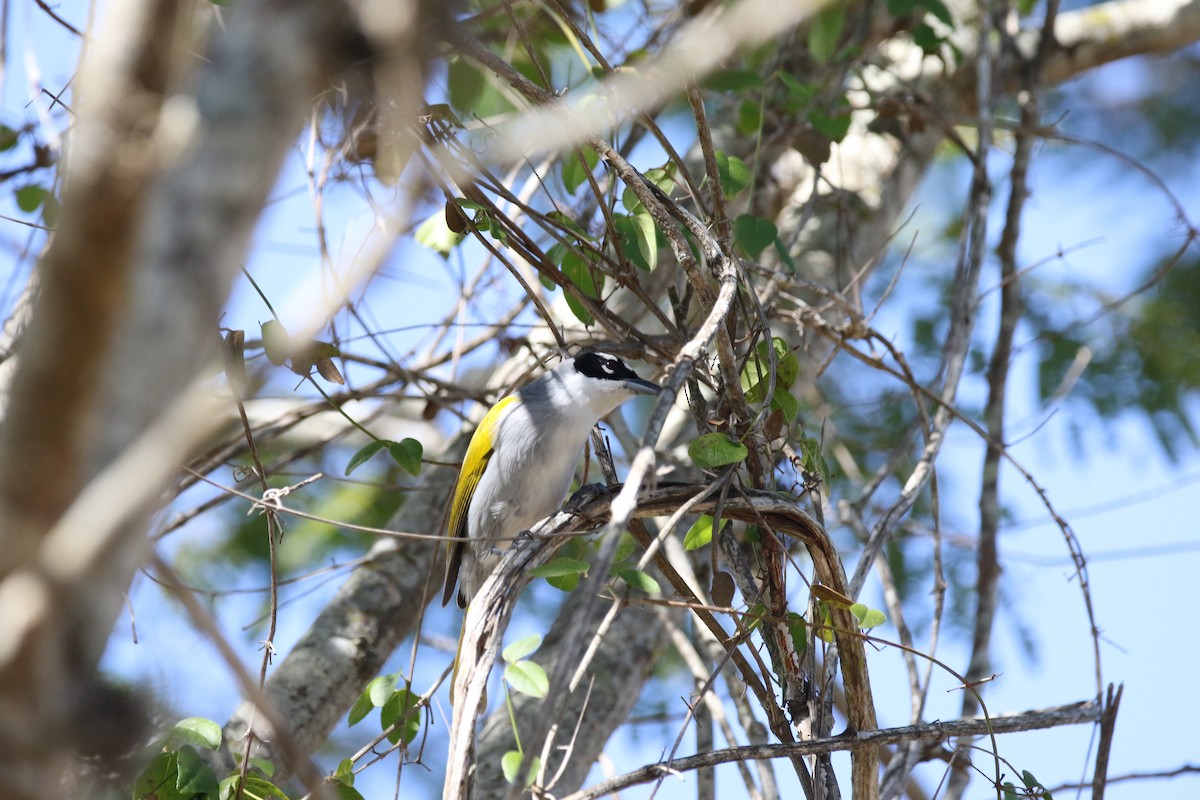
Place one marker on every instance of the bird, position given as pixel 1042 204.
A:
pixel 521 461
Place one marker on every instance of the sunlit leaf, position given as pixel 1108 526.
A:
pixel 197 731
pixel 521 648
pixel 867 617
pixel 699 534
pixel 277 342
pixel 527 678
pixel 435 234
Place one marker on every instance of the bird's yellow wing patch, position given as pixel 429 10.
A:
pixel 479 452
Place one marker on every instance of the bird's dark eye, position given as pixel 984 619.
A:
pixel 604 366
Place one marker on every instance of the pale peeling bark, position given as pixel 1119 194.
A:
pixel 159 203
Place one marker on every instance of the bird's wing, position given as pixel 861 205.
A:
pixel 479 453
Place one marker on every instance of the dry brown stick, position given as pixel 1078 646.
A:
pixel 1074 714
pixel 1108 723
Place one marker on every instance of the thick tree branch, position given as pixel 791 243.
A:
pixel 159 202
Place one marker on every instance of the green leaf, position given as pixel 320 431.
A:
pixel 735 175
pixel 344 791
pixel 364 455
pixel 940 12
pixel 826 630
pixel 565 583
pixel 800 94
pixel 345 771
pixel 573 550
pixel 732 80
pixel 362 706
pixel 786 403
pixel 753 234
pixel 625 547
pixel 834 126
pixel 749 118
pixel 521 648
pixel 560 567
pixel 407 453
pixel 867 617
pixel 402 710
pixel 575 174
pixel 30 197
pixel 510 765
pixel 901 8
pixel 579 273
pixel 158 778
pixel 8 138
pixel 756 374
pixel 639 238
pixel 825 32
pixel 637 579
pixel 263 765
pixel 380 689
pixel 812 461
pixel 662 177
pixel 716 450
pixel 193 775
pixel 196 731
pixel 754 616
pixel 699 534
pixel 926 38
pixel 466 84
pixel 798 629
pixel 527 678
pixel 256 787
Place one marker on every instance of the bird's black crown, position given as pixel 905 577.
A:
pixel 604 367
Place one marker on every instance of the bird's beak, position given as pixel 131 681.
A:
pixel 641 386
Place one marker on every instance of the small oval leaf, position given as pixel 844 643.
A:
pixel 521 648
pixel 363 455
pixel 276 342
pixel 716 450
pixel 699 534
pixel 198 731
pixel 402 711
pixel 527 678
pixel 637 579
pixel 510 765
pixel 407 453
